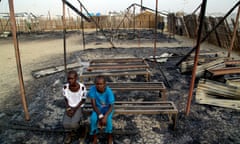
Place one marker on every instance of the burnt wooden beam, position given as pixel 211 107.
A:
pixel 76 10
pixel 122 66
pixel 232 62
pixel 117 60
pixel 54 69
pixel 223 71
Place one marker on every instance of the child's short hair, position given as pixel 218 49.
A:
pixel 100 77
pixel 73 72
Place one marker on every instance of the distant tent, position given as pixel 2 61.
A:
pixel 91 14
pixel 98 14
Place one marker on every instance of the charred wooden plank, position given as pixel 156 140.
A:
pixel 203 97
pixel 219 89
pixel 117 60
pixel 54 69
pixel 223 71
pixel 116 66
pixel 232 62
pixel 202 68
pixel 234 82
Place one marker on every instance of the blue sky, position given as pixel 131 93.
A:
pixel 42 7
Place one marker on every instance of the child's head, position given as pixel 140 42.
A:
pixel 100 83
pixel 72 77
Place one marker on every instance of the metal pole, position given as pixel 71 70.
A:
pixel 234 32
pixel 64 38
pixel 18 59
pixel 82 26
pixel 141 5
pixel 155 32
pixel 202 14
pixel 76 10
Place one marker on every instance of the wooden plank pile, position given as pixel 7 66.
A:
pixel 206 61
pixel 52 70
pixel 218 94
pixel 219 83
pixel 228 67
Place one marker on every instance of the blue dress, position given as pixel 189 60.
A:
pixel 103 100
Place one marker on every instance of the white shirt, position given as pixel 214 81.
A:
pixel 74 98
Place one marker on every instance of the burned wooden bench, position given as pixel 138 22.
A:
pixel 145 72
pixel 117 64
pixel 139 86
pixel 117 67
pixel 144 107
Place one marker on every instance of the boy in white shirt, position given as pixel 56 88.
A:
pixel 74 94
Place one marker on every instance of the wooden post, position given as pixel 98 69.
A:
pixel 50 20
pixel 234 33
pixel 237 35
pixel 1 25
pixel 216 33
pixel 156 21
pixel 202 14
pixel 18 59
pixel 64 38
pixel 82 26
pixel 197 9
pixel 134 20
pixel 185 27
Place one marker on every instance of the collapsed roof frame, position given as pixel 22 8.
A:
pixel 199 41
